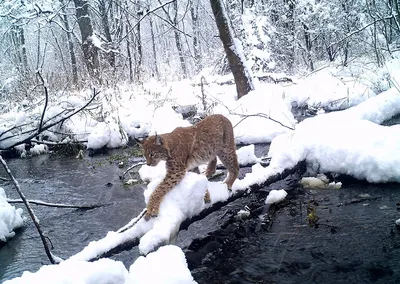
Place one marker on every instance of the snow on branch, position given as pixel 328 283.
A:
pixel 9 141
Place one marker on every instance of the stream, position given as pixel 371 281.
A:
pixel 356 240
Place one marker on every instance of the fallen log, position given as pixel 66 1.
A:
pixel 128 244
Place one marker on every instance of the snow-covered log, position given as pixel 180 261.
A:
pixel 130 236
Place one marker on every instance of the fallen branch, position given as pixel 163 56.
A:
pixel 30 211
pixel 130 168
pixel 34 132
pixel 58 205
pixel 39 130
pixel 51 143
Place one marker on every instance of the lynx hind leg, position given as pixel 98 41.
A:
pixel 229 158
pixel 207 197
pixel 211 167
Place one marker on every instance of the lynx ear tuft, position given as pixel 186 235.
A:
pixel 158 140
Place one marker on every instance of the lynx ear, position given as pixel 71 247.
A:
pixel 158 140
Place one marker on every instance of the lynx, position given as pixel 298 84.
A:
pixel 185 149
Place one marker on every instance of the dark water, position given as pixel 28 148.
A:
pixel 71 181
pixel 356 240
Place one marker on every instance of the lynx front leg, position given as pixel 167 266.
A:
pixel 211 167
pixel 169 182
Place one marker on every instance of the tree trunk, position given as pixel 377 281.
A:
pixel 153 41
pixel 128 51
pixel 178 41
pixel 236 60
pixel 90 52
pixel 194 10
pixel 70 46
pixel 139 59
pixel 308 42
pixel 107 33
pixel 18 37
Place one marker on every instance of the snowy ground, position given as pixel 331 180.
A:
pixel 350 141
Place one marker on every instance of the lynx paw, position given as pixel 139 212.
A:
pixel 207 198
pixel 151 212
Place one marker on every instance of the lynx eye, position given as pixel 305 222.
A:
pixel 151 154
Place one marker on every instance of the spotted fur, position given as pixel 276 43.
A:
pixel 185 149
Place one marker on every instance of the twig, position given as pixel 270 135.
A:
pixel 4 179
pixel 133 221
pixel 30 211
pixel 260 115
pixel 130 168
pixel 51 143
pixel 45 103
pixel 58 205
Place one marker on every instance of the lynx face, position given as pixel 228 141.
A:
pixel 154 151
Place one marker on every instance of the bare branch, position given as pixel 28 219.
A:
pixel 30 211
pixel 45 102
pixel 58 205
pixel 143 17
pixel 45 127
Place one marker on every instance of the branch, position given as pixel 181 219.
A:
pixel 359 30
pixel 58 205
pixel 45 127
pixel 45 103
pixel 260 115
pixel 130 168
pixel 30 211
pixel 51 143
pixel 144 16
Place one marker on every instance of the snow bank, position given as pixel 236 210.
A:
pixel 344 142
pixel 329 89
pixel 10 218
pixel 166 265
pixel 103 271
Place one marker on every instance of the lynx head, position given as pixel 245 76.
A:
pixel 154 150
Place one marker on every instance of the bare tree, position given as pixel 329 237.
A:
pixel 74 68
pixel 194 12
pixel 173 21
pixel 90 51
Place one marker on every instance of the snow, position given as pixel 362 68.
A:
pixel 103 271
pixel 10 218
pixel 39 149
pixel 167 265
pixel 349 141
pixel 276 196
